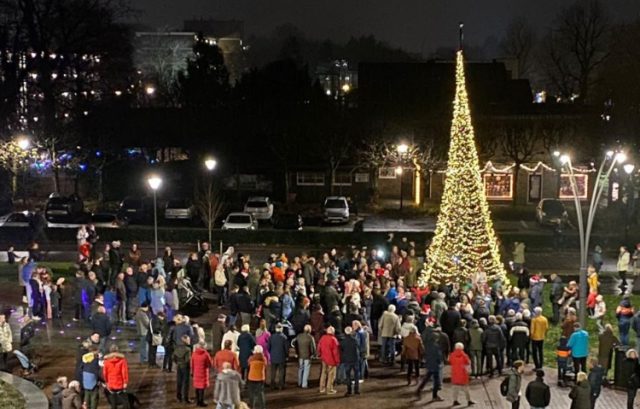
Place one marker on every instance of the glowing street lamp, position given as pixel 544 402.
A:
pixel 23 143
pixel 403 148
pixel 628 168
pixel 150 90
pixel 154 183
pixel 210 164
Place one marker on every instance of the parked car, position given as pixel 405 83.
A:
pixel 551 211
pixel 107 221
pixel 180 209
pixel 63 209
pixel 16 219
pixel 287 221
pixel 335 209
pixel 240 221
pixel 260 207
pixel 136 210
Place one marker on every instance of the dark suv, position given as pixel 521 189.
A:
pixel 61 209
pixel 136 210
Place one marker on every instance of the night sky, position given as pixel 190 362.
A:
pixel 416 25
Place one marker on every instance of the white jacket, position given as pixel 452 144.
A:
pixel 6 338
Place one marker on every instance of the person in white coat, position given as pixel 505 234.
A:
pixel 6 341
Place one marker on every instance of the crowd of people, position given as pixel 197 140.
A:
pixel 333 308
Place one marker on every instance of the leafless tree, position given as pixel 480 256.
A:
pixel 209 204
pixel 575 48
pixel 519 141
pixel 519 42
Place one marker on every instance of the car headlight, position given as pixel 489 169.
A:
pixel 252 228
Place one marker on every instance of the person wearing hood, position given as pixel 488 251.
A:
pixel 459 362
pixel 606 342
pixel 6 340
pixel 115 373
pixel 624 313
pixel 475 348
pixel 158 269
pixel 182 359
pixel 633 366
pixel 91 378
pixel 581 392
pixel 200 366
pixel 57 390
pixel 256 378
pixel 156 296
pixel 596 379
pixel 227 389
pixel 434 360
pixel 246 342
pixel 71 396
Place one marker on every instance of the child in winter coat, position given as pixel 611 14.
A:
pixel 562 357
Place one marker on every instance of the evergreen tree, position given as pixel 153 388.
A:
pixel 464 240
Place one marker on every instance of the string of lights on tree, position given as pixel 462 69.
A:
pixel 464 240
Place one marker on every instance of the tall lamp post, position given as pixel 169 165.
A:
pixel 612 159
pixel 154 183
pixel 23 143
pixel 628 169
pixel 402 149
pixel 210 164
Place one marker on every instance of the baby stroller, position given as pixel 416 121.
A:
pixel 190 300
pixel 29 367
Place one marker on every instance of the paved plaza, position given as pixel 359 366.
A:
pixel 56 345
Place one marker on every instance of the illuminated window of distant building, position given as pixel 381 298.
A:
pixel 498 186
pixel 362 177
pixel 342 179
pixel 566 191
pixel 387 173
pixel 310 179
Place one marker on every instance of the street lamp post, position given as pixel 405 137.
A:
pixel 628 169
pixel 154 183
pixel 210 164
pixel 585 234
pixel 402 149
pixel 399 172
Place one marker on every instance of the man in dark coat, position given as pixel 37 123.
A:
pixel 115 261
pixel 450 320
pixel 278 346
pixel 350 358
pixel 434 360
pixel 493 341
pixel 378 306
pixel 101 324
pixel 335 319
pixel 557 290
pixel 538 394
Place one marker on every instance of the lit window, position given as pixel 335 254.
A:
pixel 342 179
pixel 310 179
pixel 498 186
pixel 362 177
pixel 566 190
pixel 387 173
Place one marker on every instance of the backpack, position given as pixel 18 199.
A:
pixel 504 386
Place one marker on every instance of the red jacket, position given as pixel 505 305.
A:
pixel 225 355
pixel 329 350
pixel 200 364
pixel 115 371
pixel 459 362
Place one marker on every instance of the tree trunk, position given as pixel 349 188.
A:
pixel 514 187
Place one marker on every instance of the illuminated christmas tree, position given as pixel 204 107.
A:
pixel 464 241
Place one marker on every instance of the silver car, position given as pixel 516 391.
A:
pixel 335 209
pixel 240 221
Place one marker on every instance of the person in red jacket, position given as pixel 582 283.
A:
pixel 226 355
pixel 460 364
pixel 116 376
pixel 200 364
pixel 329 353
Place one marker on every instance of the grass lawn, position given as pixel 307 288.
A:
pixel 554 333
pixel 10 398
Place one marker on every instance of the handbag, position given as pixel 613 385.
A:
pixel 156 339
